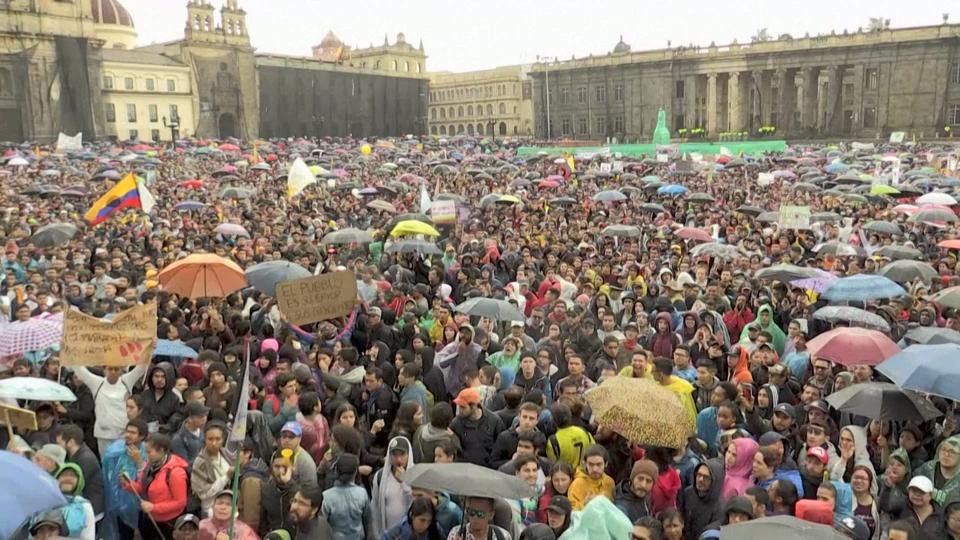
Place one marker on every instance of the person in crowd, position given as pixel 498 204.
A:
pixel 219 522
pixel 475 427
pixel 306 517
pixel 738 465
pixel 346 506
pixel 161 486
pixel 478 512
pixel 110 392
pixel 188 441
pixel 71 438
pixel 212 471
pixel 591 480
pixel 390 496
pixel 633 495
pixel 700 503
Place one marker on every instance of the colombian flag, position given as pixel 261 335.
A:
pixel 123 195
pixel 567 168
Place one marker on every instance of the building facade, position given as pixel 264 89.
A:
pixel 398 57
pixel 491 102
pixel 864 84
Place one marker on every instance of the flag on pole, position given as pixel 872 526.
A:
pixel 239 431
pixel 299 178
pixel 147 201
pixel 255 157
pixel 122 195
pixel 425 202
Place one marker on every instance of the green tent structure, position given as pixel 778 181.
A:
pixel 661 135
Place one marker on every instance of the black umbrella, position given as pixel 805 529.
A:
pixel 932 335
pixel 883 227
pixel 750 210
pixel 414 246
pixel 883 401
pixel 54 234
pixel 466 479
pixel 561 201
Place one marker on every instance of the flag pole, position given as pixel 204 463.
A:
pixel 236 489
pixel 238 434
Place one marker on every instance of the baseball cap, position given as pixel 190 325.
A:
pixel 185 519
pixel 225 491
pixel 374 312
pixel 398 445
pixel 292 427
pixel 820 454
pixel 785 408
pixel 467 396
pixel 560 505
pixel 922 483
pixel 195 408
pixel 854 527
pixel 819 404
pixel 516 324
pixel 769 438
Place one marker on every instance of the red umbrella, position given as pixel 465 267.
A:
pixel 723 160
pixel 227 147
pixel 192 184
pixel 141 148
pixel 853 346
pixel 549 184
pixel 953 243
pixel 692 233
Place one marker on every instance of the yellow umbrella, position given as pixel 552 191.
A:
pixel 641 410
pixel 882 189
pixel 412 227
pixel 318 170
pixel 508 199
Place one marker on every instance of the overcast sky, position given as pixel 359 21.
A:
pixel 464 36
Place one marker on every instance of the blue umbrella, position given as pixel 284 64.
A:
pixel 672 189
pixel 30 490
pixel 179 349
pixel 189 205
pixel 836 168
pixel 265 276
pixel 926 368
pixel 862 287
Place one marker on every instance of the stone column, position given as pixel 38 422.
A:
pixel 765 86
pixel 735 107
pixel 787 88
pixel 712 127
pixel 808 108
pixel 834 107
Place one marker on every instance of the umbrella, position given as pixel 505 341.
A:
pixel 202 275
pixel 937 198
pixel 715 249
pixel 854 316
pixel 498 310
pixel 896 252
pixel 232 192
pixel 609 196
pixel 806 186
pixel 642 411
pixel 930 215
pixel 700 198
pixel 265 276
pixel 35 334
pixel 816 284
pixel 30 490
pixel 189 205
pixel 178 349
pixel 692 233
pixel 949 297
pixel 768 217
pixel 467 480
pixel 625 231
pixel 548 184
pixel 231 229
pixel 853 346
pixel 825 217
pixel 414 246
pixel 883 401
pixel 672 189
pixel 926 368
pixel 779 528
pixel 652 208
pixel 907 271
pixel 54 234
pixel 413 227
pixel 932 335
pixel 750 210
pixel 382 205
pixel 348 235
pixel 839 249
pixel 883 227
pixel 561 201
pixel 35 389
pixel 786 273
pixel 862 287
pixel 508 199
pixel 17 162
pixel 953 243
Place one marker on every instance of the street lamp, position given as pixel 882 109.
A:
pixel 174 126
pixel 546 74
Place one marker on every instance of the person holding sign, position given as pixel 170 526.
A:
pixel 110 394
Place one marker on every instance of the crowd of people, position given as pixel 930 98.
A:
pixel 340 410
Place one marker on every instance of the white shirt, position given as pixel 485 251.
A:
pixel 110 400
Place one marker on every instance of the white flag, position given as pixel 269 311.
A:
pixel 147 201
pixel 724 151
pixel 425 202
pixel 66 143
pixel 239 431
pixel 298 178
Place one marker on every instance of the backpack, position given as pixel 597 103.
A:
pixel 193 502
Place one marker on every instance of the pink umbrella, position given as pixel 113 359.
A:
pixel 549 184
pixel 231 229
pixel 853 346
pixel 35 334
pixel 908 209
pixel 555 177
pixel 692 233
pixel 227 147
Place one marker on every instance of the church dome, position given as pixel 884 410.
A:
pixel 621 47
pixel 113 24
pixel 330 41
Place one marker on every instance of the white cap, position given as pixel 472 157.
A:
pixel 922 483
pixel 516 323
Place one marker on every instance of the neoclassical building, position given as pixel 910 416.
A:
pixel 490 102
pixel 862 84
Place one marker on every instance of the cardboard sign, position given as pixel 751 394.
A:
pixel 765 179
pixel 794 217
pixel 128 339
pixel 897 137
pixel 66 143
pixel 617 166
pixel 318 298
pixel 663 158
pixel 18 418
pixel 444 211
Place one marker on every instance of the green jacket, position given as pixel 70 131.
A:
pixel 951 489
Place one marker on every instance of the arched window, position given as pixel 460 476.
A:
pixel 503 128
pixel 489 109
pixel 443 113
pixel 229 28
pixel 433 130
pixel 469 110
pixel 418 67
pixel 406 66
pixel 393 65
pixel 6 82
pixel 239 28
pixel 460 128
pixel 206 24
pixel 469 129
pixel 460 111
pixel 443 130
pixel 452 130
pixel 479 109
pixel 376 65
pixel 479 129
pixel 433 114
pixel 450 112
pixel 196 23
pixel 503 108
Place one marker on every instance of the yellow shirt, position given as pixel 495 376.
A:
pixel 583 488
pixel 628 372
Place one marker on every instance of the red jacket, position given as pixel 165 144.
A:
pixel 167 491
pixel 665 489
pixel 736 321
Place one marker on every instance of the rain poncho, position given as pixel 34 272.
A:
pixel 599 520
pixel 386 486
pixel 843 506
pixel 779 338
pixel 737 479
pixel 78 513
pixel 120 504
pixel 950 490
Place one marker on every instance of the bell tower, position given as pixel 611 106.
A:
pixel 201 23
pixel 234 20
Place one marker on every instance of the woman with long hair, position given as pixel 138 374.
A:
pixel 864 502
pixel 409 417
pixel 419 524
pixel 561 475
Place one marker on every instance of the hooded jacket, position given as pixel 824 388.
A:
pixel 843 505
pixel 701 509
pixel 663 342
pixel 160 409
pixel 630 504
pixel 684 391
pixel 77 513
pixel 737 478
pixel 893 499
pixel 583 487
pixel 841 470
pixel 166 487
pixel 950 490
pixel 779 338
pixel 275 503
pixel 380 521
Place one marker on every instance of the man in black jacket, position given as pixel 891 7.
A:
pixel 505 447
pixel 159 400
pixel 476 427
pixel 305 511
pixel 71 439
pixel 277 494
pixel 701 503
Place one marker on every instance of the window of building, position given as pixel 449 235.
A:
pixel 499 90
pixel 564 96
pixel 128 83
pixel 433 114
pixel 479 129
pixel 174 112
pixel 618 124
pixel 460 128
pixel 479 109
pixel 443 114
pixel 582 94
pixel 152 110
pixel 450 112
pixel 155 135
pixel 151 84
pixel 503 128
pixel 108 83
pixel 131 112
pixel 678 121
pixel 111 112
pixel 873 78
pixel 953 114
pixel 393 65
pixel 870 117
pixel 618 92
pixel 680 89
pixel 171 85
pixel 601 93
pixel 502 108
pixel 433 130
pixel 460 111
pixel 134 134
pixel 443 130
pixel 452 130
pixel 418 67
pixel 955 73
pixel 565 126
pixel 469 129
pixel 406 66
pixel 583 128
pixel 601 123
pixel 514 109
pixel 489 109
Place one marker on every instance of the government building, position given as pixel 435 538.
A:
pixel 491 102
pixel 75 66
pixel 862 84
